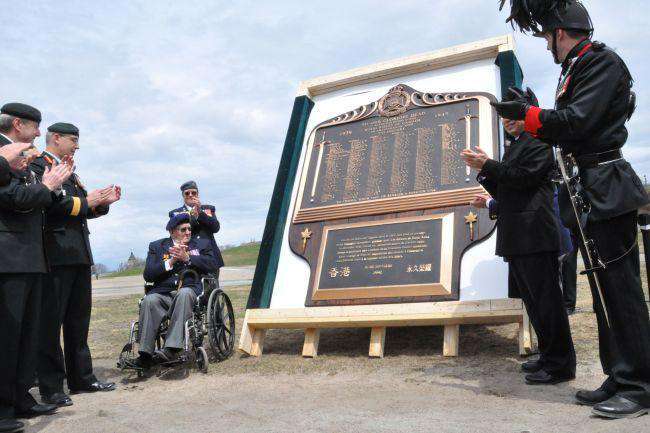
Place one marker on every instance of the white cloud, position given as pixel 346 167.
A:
pixel 165 92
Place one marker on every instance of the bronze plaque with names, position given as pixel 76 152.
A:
pixel 382 213
pixel 374 160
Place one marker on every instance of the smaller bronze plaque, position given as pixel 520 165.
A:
pixel 389 258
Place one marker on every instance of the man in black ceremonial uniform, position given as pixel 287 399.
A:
pixel 67 295
pixel 593 102
pixel 529 240
pixel 203 219
pixel 22 265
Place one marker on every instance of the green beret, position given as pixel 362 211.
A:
pixel 64 128
pixel 22 111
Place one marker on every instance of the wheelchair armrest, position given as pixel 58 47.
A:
pixel 147 287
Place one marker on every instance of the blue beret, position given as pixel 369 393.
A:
pixel 22 111
pixel 177 220
pixel 190 184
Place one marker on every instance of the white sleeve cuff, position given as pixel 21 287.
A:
pixel 168 265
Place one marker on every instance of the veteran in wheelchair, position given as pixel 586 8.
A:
pixel 182 304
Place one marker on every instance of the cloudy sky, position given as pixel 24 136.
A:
pixel 165 91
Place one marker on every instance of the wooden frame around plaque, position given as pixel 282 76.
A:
pixel 439 288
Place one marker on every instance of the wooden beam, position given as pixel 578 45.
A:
pixel 377 340
pixel 451 340
pixel 310 347
pixel 485 49
pixel 423 313
pixel 246 337
pixel 525 335
pixel 475 318
pixel 258 342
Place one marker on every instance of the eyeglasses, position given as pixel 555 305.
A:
pixel 190 193
pixel 185 229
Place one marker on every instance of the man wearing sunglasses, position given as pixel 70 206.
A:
pixel 203 220
pixel 166 261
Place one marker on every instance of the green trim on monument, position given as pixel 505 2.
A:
pixel 511 73
pixel 269 256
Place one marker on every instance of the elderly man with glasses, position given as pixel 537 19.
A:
pixel 203 220
pixel 167 259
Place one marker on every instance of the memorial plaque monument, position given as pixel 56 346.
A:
pixel 369 223
pixel 382 162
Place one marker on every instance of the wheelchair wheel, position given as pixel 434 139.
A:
pixel 202 359
pixel 221 325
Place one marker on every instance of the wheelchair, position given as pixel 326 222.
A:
pixel 212 315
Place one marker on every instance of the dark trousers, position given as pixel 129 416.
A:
pixel 66 303
pixel 625 346
pixel 537 280
pixel 569 275
pixel 20 307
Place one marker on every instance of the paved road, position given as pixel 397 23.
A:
pixel 119 286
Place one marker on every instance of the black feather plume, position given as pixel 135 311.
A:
pixel 528 15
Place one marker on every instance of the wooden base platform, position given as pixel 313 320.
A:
pixel 377 317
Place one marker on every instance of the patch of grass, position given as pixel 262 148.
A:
pixel 242 255
pixel 127 273
pixel 483 349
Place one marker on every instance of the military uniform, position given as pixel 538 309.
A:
pixel 164 299
pixel 5 171
pixel 529 239
pixel 589 123
pixel 67 296
pixel 22 266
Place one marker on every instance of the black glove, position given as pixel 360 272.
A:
pixel 516 94
pixel 512 110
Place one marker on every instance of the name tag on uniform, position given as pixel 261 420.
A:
pixel 194 253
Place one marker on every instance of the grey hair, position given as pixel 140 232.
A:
pixel 48 137
pixel 5 122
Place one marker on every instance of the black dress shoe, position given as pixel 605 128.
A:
pixel 544 378
pixel 531 366
pixel 11 425
pixel 37 410
pixel 619 407
pixel 166 354
pixel 143 362
pixel 58 398
pixel 95 387
pixel 590 398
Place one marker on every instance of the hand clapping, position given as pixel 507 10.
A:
pixel 179 253
pixel 475 160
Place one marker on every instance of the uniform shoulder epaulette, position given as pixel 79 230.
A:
pixel 598 46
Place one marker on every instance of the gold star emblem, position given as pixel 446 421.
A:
pixel 471 218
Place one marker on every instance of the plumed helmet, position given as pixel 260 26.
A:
pixel 573 17
pixel 540 16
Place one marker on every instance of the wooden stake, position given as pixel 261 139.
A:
pixel 312 338
pixel 525 335
pixel 258 342
pixel 377 340
pixel 450 341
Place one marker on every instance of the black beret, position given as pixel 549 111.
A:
pixel 190 184
pixel 22 111
pixel 177 220
pixel 64 128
